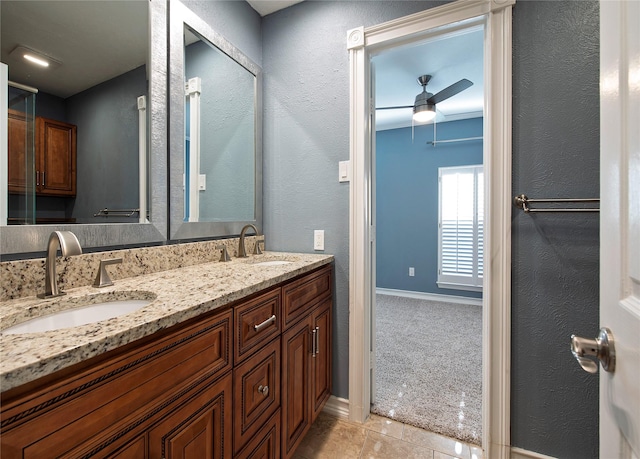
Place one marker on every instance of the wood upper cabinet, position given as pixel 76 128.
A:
pixel 17 138
pixel 55 156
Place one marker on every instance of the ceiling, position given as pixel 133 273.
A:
pixel 78 34
pixel 264 7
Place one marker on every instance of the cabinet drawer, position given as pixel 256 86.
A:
pixel 300 295
pixel 101 403
pixel 256 392
pixel 256 323
pixel 266 444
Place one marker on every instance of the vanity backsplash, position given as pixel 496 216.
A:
pixel 24 278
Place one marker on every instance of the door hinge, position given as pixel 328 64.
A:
pixel 372 361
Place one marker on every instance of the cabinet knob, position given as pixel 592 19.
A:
pixel 264 390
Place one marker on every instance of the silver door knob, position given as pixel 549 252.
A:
pixel 589 351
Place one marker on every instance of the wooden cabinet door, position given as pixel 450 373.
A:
pixel 296 413
pixel 321 358
pixel 17 137
pixel 57 157
pixel 197 429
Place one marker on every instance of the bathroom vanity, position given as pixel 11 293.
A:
pixel 230 360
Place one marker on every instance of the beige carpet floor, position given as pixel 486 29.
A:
pixel 429 365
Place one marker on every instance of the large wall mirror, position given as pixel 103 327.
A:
pixel 216 140
pixel 101 101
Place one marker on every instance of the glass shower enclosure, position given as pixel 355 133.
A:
pixel 21 175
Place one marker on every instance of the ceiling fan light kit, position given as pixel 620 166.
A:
pixel 424 113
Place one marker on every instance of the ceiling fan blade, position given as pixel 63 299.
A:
pixel 393 108
pixel 450 91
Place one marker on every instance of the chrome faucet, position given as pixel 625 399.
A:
pixel 69 246
pixel 242 251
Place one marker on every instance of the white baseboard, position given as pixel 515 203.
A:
pixel 519 453
pixel 430 296
pixel 338 407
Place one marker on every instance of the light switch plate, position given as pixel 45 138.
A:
pixel 318 240
pixel 202 182
pixel 344 171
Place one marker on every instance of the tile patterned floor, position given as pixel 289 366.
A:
pixel 332 438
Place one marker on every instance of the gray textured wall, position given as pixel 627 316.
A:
pixel 306 134
pixel 227 122
pixel 235 20
pixel 107 145
pixel 555 256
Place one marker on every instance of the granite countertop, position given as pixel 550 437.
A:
pixel 180 294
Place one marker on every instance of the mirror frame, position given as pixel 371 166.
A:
pixel 179 17
pixel 20 239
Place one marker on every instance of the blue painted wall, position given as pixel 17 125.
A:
pixel 407 201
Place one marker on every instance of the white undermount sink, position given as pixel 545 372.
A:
pixel 109 308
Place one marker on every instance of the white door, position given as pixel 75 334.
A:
pixel 620 225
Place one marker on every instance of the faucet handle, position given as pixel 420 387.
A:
pixel 224 255
pixel 256 248
pixel 103 279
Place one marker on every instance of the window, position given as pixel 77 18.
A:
pixel 460 227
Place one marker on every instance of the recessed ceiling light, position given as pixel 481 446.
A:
pixel 34 57
pixel 35 60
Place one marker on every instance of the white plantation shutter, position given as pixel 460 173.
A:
pixel 461 225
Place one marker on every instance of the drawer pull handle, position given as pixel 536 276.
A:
pixel 264 390
pixel 270 320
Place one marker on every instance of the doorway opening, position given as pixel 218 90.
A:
pixel 428 208
pixel 362 43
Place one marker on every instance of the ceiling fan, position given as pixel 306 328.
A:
pixel 424 107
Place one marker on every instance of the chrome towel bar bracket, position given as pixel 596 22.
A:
pixel 523 202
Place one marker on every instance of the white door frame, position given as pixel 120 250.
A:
pixel 497 147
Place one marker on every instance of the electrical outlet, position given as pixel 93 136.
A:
pixel 318 240
pixel 412 271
